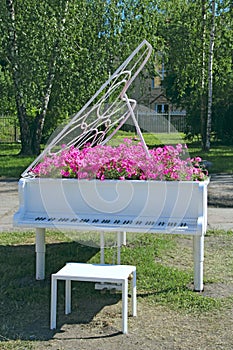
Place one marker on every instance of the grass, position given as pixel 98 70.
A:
pixel 221 157
pixel 161 280
pixel 11 164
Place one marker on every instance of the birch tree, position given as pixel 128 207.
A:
pixel 51 49
pixel 24 59
pixel 210 78
pixel 222 111
pixel 59 52
pixel 203 75
pixel 198 50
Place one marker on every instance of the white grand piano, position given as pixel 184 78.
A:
pixel 173 207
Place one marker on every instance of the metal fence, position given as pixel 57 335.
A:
pixel 148 122
pixel 9 129
pixel 161 122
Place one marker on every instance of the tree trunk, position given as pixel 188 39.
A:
pixel 40 118
pixel 210 79
pixel 203 98
pixel 25 129
pixel 31 130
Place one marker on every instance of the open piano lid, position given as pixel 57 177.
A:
pixel 105 113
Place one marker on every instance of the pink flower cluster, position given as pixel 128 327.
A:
pixel 126 161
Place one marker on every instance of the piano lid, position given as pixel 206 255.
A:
pixel 105 113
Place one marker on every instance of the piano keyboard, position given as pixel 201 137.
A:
pixel 117 223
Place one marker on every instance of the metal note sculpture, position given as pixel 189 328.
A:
pixel 105 113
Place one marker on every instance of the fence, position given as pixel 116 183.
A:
pixel 148 122
pixel 9 129
pixel 160 122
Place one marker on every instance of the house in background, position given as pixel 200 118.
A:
pixel 155 112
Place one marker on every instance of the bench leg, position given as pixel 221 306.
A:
pixel 134 295
pixel 102 243
pixel 125 306
pixel 53 303
pixel 68 297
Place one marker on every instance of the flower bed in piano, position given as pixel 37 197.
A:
pixel 127 161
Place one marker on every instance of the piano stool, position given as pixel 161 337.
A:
pixel 101 273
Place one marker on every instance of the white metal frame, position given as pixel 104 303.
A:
pixel 99 117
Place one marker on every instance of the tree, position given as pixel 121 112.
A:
pixel 203 80
pixel 58 52
pixel 210 79
pixel 187 31
pixel 222 121
pixel 44 46
pixel 32 90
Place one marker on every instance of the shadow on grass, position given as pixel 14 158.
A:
pixel 25 302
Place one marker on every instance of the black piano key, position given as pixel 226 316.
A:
pixel 138 222
pixel 84 220
pixel 40 218
pixel 63 219
pixel 151 223
pixel 170 224
pixel 105 221
pixel 161 223
pixel 127 222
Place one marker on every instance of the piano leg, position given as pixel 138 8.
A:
pixel 198 253
pixel 119 244
pixel 123 238
pixel 102 243
pixel 40 253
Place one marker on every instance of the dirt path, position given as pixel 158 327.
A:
pixel 155 328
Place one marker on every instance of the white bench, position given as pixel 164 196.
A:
pixel 103 273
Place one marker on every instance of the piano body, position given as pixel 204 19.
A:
pixel 173 207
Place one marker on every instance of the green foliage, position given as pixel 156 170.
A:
pixel 9 129
pixel 68 54
pixel 78 44
pixel 185 42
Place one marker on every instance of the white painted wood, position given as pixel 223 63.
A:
pixel 101 273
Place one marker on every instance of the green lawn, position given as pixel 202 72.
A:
pixel 11 164
pixel 221 158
